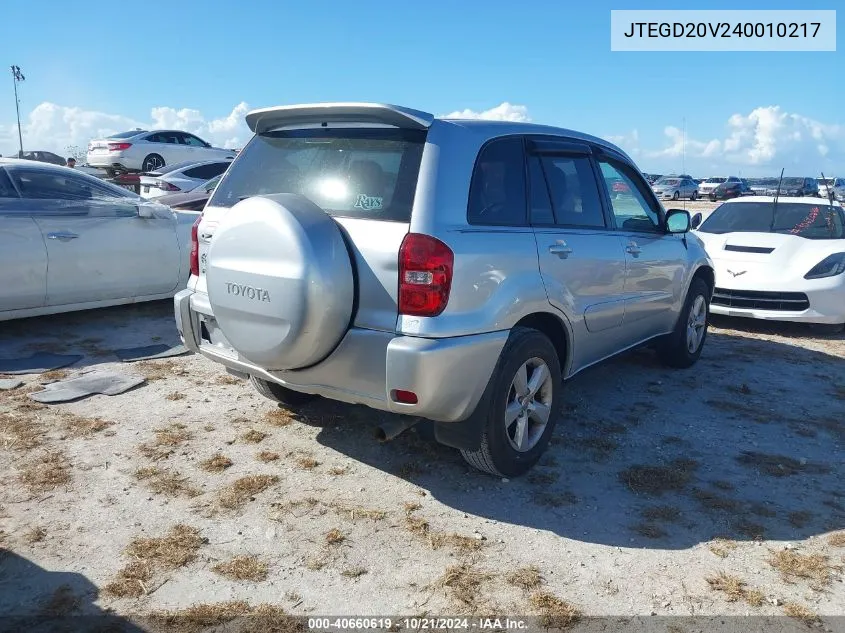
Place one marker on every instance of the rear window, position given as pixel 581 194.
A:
pixel 351 172
pixel 126 134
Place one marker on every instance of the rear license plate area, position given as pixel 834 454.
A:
pixel 212 337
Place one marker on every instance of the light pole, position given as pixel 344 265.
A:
pixel 17 76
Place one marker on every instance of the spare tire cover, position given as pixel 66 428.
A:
pixel 280 281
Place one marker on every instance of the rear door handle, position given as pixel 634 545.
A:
pixel 633 249
pixel 64 236
pixel 560 249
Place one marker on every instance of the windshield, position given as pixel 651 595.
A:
pixel 792 182
pixel 825 181
pixel 671 182
pixel 126 134
pixel 812 221
pixel 353 172
pixel 715 181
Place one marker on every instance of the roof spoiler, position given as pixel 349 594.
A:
pixel 315 113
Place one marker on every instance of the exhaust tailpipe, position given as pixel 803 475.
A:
pixel 392 428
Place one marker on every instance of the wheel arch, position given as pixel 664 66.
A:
pixel 556 329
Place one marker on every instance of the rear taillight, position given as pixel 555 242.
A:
pixel 425 275
pixel 119 147
pixel 166 186
pixel 195 248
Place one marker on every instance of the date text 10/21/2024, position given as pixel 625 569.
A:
pixel 417 624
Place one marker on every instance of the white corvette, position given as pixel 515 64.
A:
pixel 781 261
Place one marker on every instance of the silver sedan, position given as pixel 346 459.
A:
pixel 675 188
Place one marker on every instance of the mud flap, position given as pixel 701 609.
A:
pixel 466 434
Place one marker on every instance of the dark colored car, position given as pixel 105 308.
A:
pixel 730 189
pixel 797 187
pixel 193 200
pixel 41 157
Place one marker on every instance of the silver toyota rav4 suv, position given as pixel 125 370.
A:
pixel 452 270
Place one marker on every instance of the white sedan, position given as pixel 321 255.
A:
pixel 69 241
pixel 181 177
pixel 782 261
pixel 140 150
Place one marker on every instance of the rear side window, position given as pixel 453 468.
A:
pixel 349 172
pixel 6 188
pixel 497 194
pixel 574 192
pixel 206 172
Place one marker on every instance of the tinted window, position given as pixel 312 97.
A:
pixel 6 188
pixel 573 189
pixel 205 172
pixel 634 212
pixel 164 137
pixel 497 191
pixel 57 185
pixel 190 139
pixel 126 134
pixel 541 204
pixel 353 172
pixel 813 221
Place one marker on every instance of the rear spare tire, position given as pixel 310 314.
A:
pixel 280 281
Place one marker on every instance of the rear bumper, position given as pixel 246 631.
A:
pixel 114 160
pixel 448 375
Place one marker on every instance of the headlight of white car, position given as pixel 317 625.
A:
pixel 828 267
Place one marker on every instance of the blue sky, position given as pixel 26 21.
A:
pixel 106 60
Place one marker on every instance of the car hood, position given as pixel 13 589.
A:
pixel 761 260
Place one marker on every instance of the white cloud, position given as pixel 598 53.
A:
pixel 53 127
pixel 502 112
pixel 629 143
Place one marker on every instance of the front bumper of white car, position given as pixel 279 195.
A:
pixel 815 301
pixel 448 375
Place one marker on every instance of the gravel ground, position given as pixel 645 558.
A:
pixel 712 491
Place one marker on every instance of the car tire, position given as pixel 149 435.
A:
pixel 682 348
pixel 712 197
pixel 152 162
pixel 282 395
pixel 676 195
pixel 498 453
pixel 693 196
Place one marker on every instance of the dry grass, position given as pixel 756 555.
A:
pixel 243 568
pixel 649 530
pixel 713 501
pixel 244 489
pixel 35 535
pixel 166 441
pixel 54 375
pixel 793 566
pixel 153 370
pixel 226 379
pixel 802 613
pixel 253 436
pixel 722 547
pixel 267 456
pixel 357 512
pixel 20 432
pixel 131 581
pixel 656 480
pixel 306 462
pixel 463 583
pixel 837 539
pixel 264 618
pixel 338 470
pixel 63 602
pixel 46 472
pixel 80 426
pixel 411 506
pixel 526 578
pixel 278 417
pixel 779 465
pixel 556 499
pixel 436 539
pixel 554 612
pixel 353 572
pixel 543 478
pixel 334 537
pixel 599 447
pixel 216 463
pixel 167 482
pixel 175 395
pixel 735 589
pixel 739 409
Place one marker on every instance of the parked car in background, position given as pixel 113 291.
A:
pixel 327 247
pixel 675 187
pixel 797 187
pixel 707 185
pixel 193 200
pixel 70 241
pixel 834 185
pixel 729 189
pixel 180 177
pixel 41 157
pixel 140 150
pixel 783 262
pixel 652 178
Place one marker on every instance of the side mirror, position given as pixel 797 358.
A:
pixel 696 221
pixel 145 211
pixel 677 221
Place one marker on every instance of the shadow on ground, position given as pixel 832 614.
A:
pixel 37 600
pixel 746 445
